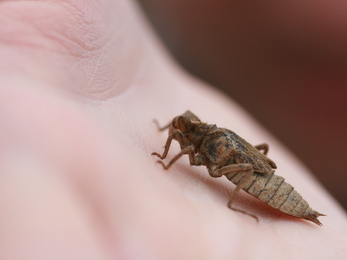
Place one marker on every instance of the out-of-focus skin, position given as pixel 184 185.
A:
pixel 284 61
pixel 80 84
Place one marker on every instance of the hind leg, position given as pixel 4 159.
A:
pixel 235 168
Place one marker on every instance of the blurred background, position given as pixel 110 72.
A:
pixel 283 61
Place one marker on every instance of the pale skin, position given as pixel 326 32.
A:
pixel 80 85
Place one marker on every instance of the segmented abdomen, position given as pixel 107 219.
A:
pixel 273 190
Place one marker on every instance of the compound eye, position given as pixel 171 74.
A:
pixel 174 123
pixel 179 123
pixel 182 124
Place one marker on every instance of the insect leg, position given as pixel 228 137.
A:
pixel 194 160
pixel 175 134
pixel 161 128
pixel 234 168
pixel 263 147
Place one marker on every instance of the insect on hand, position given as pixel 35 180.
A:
pixel 225 153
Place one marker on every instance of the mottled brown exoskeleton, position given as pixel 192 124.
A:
pixel 225 153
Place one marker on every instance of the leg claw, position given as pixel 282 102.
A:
pixel 156 154
pixel 162 164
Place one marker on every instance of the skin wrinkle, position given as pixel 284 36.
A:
pixel 84 41
pixel 36 26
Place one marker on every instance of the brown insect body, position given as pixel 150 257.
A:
pixel 223 152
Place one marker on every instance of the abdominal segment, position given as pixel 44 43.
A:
pixel 273 190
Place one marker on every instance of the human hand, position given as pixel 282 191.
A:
pixel 80 85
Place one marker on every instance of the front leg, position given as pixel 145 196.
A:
pixel 193 159
pixel 175 134
pixel 161 128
